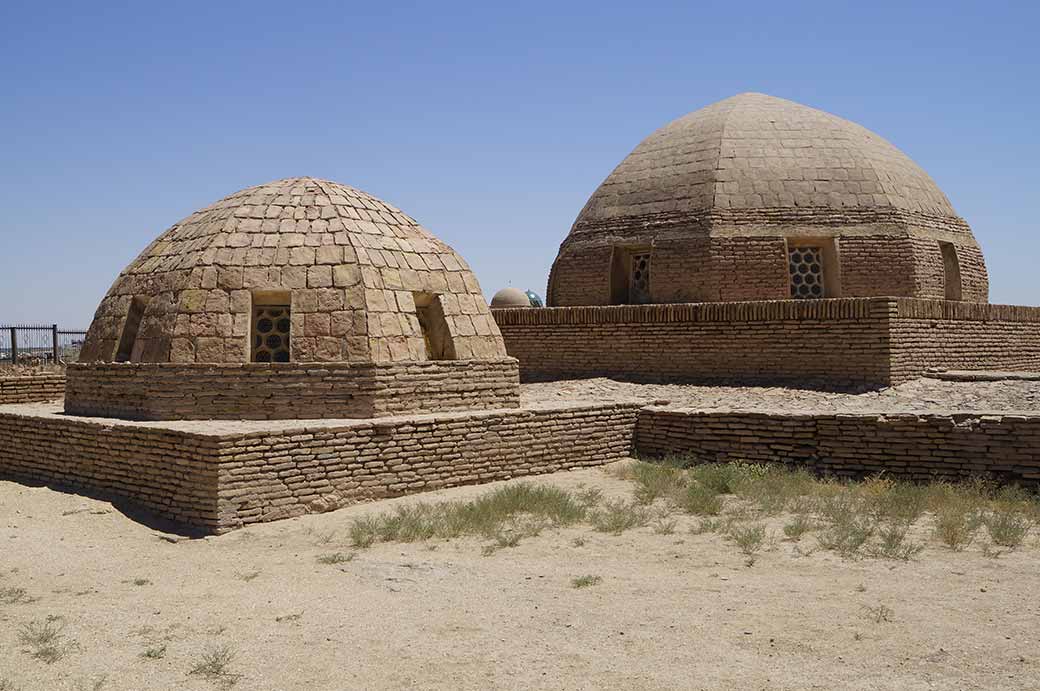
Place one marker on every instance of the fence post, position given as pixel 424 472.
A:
pixel 54 343
pixel 14 346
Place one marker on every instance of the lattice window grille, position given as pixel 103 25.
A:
pixel 639 279
pixel 806 265
pixel 271 333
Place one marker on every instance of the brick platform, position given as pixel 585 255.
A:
pixel 254 391
pixel 31 389
pixel 216 476
pixel 839 344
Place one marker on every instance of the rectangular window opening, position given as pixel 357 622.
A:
pixel 630 276
pixel 951 271
pixel 271 326
pixel 131 325
pixel 434 326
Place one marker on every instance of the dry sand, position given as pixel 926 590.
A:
pixel 678 611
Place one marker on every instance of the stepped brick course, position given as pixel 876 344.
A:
pixel 289 391
pixel 31 389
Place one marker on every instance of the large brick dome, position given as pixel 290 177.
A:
pixel 759 198
pixel 349 276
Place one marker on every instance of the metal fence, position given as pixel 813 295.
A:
pixel 30 344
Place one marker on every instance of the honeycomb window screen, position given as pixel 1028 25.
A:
pixel 270 333
pixel 639 279
pixel 806 267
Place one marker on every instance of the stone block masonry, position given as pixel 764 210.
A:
pixel 161 391
pixel 31 389
pixel 833 344
pixel 216 476
pixel 913 446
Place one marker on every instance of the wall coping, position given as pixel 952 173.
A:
pixel 284 366
pixel 917 308
pixel 894 415
pixel 768 311
pixel 231 430
pixel 761 310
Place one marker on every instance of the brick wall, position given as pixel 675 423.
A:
pixel 29 389
pixel 877 265
pixel 267 476
pixel 169 472
pixel 159 391
pixel 219 475
pixel 833 343
pixel 843 343
pixel 958 335
pixel 907 445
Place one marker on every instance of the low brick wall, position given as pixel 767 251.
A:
pixel 829 343
pixel 909 445
pixel 837 344
pixel 168 471
pixel 31 389
pixel 289 391
pixel 928 334
pixel 267 476
pixel 220 475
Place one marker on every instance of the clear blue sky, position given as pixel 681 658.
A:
pixel 490 123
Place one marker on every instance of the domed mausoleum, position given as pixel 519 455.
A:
pixel 510 297
pixel 276 278
pixel 759 198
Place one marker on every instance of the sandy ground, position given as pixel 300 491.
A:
pixel 917 395
pixel 679 611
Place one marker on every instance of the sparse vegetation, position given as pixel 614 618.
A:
pixel 874 518
pixel 46 639
pixel 529 506
pixel 289 617
pixel 335 558
pixel 586 581
pixel 798 526
pixel 1007 525
pixel 214 664
pixel 749 538
pixel 616 516
pixel 13 596
pixel 665 526
pixel 701 500
pixel 880 614
pixel 154 652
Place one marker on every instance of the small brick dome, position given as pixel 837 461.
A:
pixel 510 297
pixel 713 207
pixel 351 278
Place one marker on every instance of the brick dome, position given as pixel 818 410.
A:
pixel 757 198
pixel 510 297
pixel 300 270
